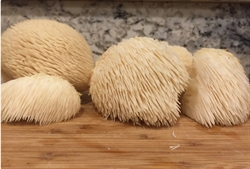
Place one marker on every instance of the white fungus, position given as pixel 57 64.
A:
pixel 40 98
pixel 139 80
pixel 185 56
pixel 219 91
pixel 46 46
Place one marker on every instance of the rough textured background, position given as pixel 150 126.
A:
pixel 106 23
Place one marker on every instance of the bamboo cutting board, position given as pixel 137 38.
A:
pixel 89 141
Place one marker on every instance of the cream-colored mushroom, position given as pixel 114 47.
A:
pixel 139 80
pixel 219 91
pixel 47 46
pixel 40 98
pixel 185 56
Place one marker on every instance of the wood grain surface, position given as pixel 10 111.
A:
pixel 89 141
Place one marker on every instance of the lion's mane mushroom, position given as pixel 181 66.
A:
pixel 185 56
pixel 219 91
pixel 139 80
pixel 40 98
pixel 47 46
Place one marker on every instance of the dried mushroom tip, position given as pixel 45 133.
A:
pixel 139 80
pixel 40 98
pixel 218 93
pixel 43 45
pixel 185 56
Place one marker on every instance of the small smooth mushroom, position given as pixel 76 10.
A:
pixel 139 80
pixel 219 91
pixel 46 46
pixel 40 98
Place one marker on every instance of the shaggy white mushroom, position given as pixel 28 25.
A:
pixel 219 91
pixel 139 80
pixel 41 98
pixel 47 46
pixel 185 56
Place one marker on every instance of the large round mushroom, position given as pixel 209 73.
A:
pixel 47 46
pixel 219 91
pixel 139 80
